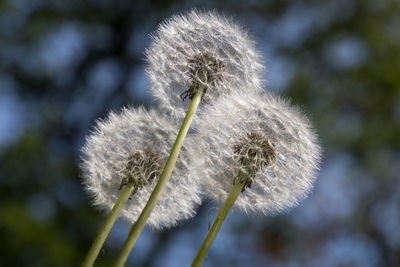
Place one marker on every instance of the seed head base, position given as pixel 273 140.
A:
pixel 254 151
pixel 205 71
pixel 143 167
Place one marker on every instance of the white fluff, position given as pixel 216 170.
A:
pixel 106 155
pixel 181 38
pixel 276 187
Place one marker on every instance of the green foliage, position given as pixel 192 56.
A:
pixel 52 54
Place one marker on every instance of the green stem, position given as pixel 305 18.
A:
pixel 162 182
pixel 222 214
pixel 108 224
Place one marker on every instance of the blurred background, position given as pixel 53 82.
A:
pixel 63 64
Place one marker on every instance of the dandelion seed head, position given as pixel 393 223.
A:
pixel 263 136
pixel 132 146
pixel 201 48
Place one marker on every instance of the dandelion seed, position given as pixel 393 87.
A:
pixel 200 49
pixel 263 137
pixel 131 148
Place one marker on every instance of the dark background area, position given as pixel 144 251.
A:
pixel 63 64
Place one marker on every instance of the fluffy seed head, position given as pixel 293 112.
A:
pixel 132 146
pixel 200 49
pixel 263 136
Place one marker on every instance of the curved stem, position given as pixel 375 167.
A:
pixel 162 182
pixel 106 228
pixel 222 214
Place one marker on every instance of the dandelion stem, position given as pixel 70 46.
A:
pixel 222 214
pixel 108 224
pixel 138 226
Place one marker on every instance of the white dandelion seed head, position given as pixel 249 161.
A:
pixel 133 146
pixel 264 137
pixel 201 49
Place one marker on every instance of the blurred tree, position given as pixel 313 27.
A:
pixel 65 63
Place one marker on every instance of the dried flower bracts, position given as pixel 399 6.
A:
pixel 253 151
pixel 205 71
pixel 143 167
